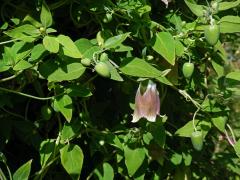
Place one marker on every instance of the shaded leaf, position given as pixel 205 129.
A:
pixel 64 105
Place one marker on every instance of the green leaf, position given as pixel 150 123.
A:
pixel 23 172
pixel 72 160
pixel 70 130
pixel 46 150
pixel 187 158
pixel 176 159
pixel 138 68
pixel 55 72
pixel 21 65
pixel 228 5
pixel 89 53
pixel 237 148
pixel 198 10
pixel 108 173
pixel 76 90
pixel 31 20
pixel 219 122
pixel 37 52
pixel 218 67
pixel 69 48
pixel 133 159
pixel 230 24
pixel 187 129
pixel 83 45
pixel 234 76
pixel 64 105
pixel 114 42
pixel 179 48
pixel 232 19
pixel 228 27
pixel 165 45
pixel 26 33
pixel 51 44
pixel 114 73
pixel 158 132
pixel 45 16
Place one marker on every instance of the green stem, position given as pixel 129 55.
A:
pixel 27 95
pixel 194 126
pixel 2 176
pixel 13 114
pixel 9 172
pixel 232 133
pixel 11 77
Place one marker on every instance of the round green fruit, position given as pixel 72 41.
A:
pixel 107 18
pixel 197 140
pixel 102 69
pixel 86 61
pixel 211 34
pixel 46 112
pixel 188 69
pixel 104 57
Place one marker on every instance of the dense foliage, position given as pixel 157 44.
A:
pixel 69 73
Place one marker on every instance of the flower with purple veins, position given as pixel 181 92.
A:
pixel 147 105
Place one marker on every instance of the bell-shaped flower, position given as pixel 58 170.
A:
pixel 147 105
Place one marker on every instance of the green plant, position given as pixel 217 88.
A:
pixel 60 119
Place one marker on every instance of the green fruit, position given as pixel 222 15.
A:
pixel 197 140
pixel 211 34
pixel 102 69
pixel 104 57
pixel 188 69
pixel 46 112
pixel 107 18
pixel 86 61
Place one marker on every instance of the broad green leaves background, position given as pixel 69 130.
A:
pixel 88 132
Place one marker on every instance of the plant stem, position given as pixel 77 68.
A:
pixel 194 126
pixel 232 133
pixel 11 77
pixel 27 95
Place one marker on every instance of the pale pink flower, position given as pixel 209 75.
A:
pixel 147 105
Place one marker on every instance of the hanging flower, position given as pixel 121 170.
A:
pixel 166 2
pixel 147 105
